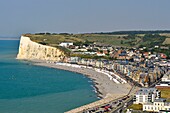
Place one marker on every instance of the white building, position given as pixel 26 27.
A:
pixel 100 54
pixel 145 95
pixel 165 81
pixel 166 78
pixel 66 44
pixel 157 105
pixel 163 85
pixel 74 59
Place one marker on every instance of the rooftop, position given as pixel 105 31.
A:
pixel 160 100
pixel 145 91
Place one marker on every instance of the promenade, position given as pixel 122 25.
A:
pixel 95 104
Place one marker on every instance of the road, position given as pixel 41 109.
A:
pixel 123 107
pixel 126 103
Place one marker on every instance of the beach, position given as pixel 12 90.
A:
pixel 103 85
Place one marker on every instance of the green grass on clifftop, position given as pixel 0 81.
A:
pixel 124 40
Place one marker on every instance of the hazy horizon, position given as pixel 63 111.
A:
pixel 18 37
pixel 58 16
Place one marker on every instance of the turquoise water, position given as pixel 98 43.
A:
pixel 25 88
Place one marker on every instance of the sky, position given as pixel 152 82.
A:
pixel 81 16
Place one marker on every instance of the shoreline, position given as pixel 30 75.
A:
pixel 106 89
pixel 103 86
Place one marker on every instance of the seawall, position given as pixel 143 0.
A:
pixel 30 50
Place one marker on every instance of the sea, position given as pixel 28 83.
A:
pixel 25 88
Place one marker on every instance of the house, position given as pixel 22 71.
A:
pixel 100 54
pixel 136 58
pixel 145 95
pixel 82 49
pixel 157 105
pixel 163 56
pixel 66 44
pixel 146 54
pixel 156 46
pixel 105 51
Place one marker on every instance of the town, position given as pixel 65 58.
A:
pixel 140 60
pixel 141 67
pixel 145 68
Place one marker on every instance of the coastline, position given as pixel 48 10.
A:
pixel 104 87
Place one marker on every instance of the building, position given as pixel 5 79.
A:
pixel 145 95
pixel 165 82
pixel 100 54
pixel 166 78
pixel 163 85
pixel 66 44
pixel 157 105
pixel 74 60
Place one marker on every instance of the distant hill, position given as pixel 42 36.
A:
pixel 135 32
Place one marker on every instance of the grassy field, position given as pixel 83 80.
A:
pixel 165 34
pixel 106 39
pixel 56 39
pixel 165 93
pixel 167 41
pixel 53 40
pixel 135 107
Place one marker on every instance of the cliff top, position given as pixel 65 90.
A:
pixel 128 40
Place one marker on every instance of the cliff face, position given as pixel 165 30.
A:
pixel 31 50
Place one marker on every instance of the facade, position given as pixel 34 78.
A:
pixel 157 105
pixel 145 95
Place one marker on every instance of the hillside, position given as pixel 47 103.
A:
pixel 124 40
pixel 167 41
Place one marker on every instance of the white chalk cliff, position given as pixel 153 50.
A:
pixel 33 51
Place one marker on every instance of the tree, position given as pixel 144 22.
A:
pixel 121 42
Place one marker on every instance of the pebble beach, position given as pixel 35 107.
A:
pixel 105 87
